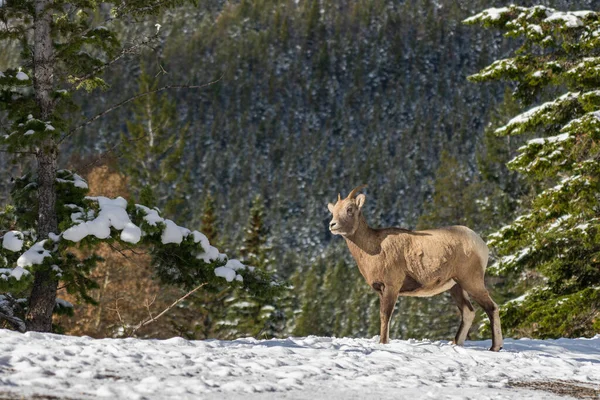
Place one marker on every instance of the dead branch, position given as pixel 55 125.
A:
pixel 129 100
pixel 123 53
pixel 116 309
pixel 147 304
pixel 152 319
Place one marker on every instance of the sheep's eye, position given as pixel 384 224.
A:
pixel 349 210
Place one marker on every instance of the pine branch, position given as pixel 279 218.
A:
pixel 17 323
pixel 108 19
pixel 129 100
pixel 17 152
pixel 152 319
pixel 12 32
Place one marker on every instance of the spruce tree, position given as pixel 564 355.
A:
pixel 557 238
pixel 452 201
pixel 500 191
pixel 253 315
pixel 309 317
pixel 208 219
pixel 254 250
pixel 151 151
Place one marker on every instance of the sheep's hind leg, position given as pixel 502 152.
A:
pixel 479 293
pixel 491 309
pixel 467 313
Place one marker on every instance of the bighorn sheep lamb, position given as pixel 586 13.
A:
pixel 400 262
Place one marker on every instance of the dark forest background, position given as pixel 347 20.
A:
pixel 312 98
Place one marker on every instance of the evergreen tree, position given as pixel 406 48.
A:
pixel 452 200
pixel 251 315
pixel 309 319
pixel 152 149
pixel 208 307
pixel 336 297
pixel 255 251
pixel 500 192
pixel 208 219
pixel 558 237
pixel 64 53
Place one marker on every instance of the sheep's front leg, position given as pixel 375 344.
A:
pixel 387 301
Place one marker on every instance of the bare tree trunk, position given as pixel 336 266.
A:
pixel 43 294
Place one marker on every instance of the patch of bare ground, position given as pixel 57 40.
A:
pixel 575 389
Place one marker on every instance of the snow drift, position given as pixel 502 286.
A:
pixel 294 368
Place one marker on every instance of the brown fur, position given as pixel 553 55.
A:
pixel 399 262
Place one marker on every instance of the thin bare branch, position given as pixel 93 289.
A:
pixel 116 309
pixel 125 255
pixel 161 71
pixel 147 304
pixel 129 100
pixel 152 319
pixel 123 53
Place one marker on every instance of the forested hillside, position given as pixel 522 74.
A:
pixel 312 98
pixel 315 98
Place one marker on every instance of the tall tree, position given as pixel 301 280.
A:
pixel 66 47
pixel 208 219
pixel 451 203
pixel 152 150
pixel 247 315
pixel 558 237
pixel 255 250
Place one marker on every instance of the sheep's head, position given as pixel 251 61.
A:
pixel 346 213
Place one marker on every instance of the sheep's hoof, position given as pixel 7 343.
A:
pixel 495 349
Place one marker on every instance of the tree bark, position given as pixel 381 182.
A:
pixel 43 294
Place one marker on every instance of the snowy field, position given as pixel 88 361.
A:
pixel 47 366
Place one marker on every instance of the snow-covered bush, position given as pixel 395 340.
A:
pixel 180 256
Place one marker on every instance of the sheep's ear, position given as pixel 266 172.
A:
pixel 331 207
pixel 360 200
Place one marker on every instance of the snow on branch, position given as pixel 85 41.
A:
pixel 557 151
pixel 185 256
pixel 498 69
pixel 517 17
pixel 546 113
pixel 489 15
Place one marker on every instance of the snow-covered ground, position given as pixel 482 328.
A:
pixel 35 364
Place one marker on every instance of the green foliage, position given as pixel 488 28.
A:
pixel 255 250
pixel 72 55
pixel 152 151
pixel 543 314
pixel 180 263
pixel 208 220
pixel 309 320
pixel 247 315
pixel 452 199
pixel 556 240
pixel 332 299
